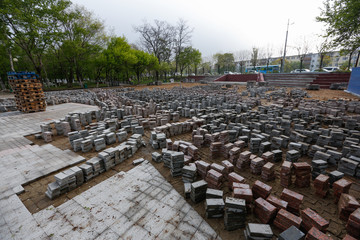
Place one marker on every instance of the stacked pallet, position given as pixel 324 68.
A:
pixel 29 96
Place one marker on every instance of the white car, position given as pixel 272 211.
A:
pixel 300 70
pixel 331 69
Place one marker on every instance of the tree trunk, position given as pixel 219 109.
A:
pixel 357 59
pixel 349 64
pixel 71 77
pixel 321 60
pixel 301 62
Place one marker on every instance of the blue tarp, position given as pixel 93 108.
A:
pixel 354 83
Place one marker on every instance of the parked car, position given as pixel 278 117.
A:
pixel 331 69
pixel 320 70
pixel 300 70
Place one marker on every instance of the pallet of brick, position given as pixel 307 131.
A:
pixel 302 173
pixel 240 185
pixel 169 144
pixel 214 193
pixel 240 144
pixel 321 184
pixel 225 149
pixel 189 174
pixel 86 146
pixel 292 233
pixel 156 157
pixel 261 189
pixel 215 149
pixel 198 191
pixel 268 156
pixel 87 171
pixel 187 159
pixel 347 205
pixel 234 154
pixel 318 167
pixel 224 137
pixel 234 177
pixel 229 167
pixel 313 219
pixel 293 199
pixel 97 165
pixel 166 156
pixel 193 152
pixel 62 180
pixel 53 190
pixel 214 179
pixel 334 176
pixel 339 187
pixel 255 145
pixel 256 231
pixel 277 202
pixel 243 193
pixel 256 165
pixel 202 168
pixel 218 168
pixel 285 174
pixel 244 160
pixel 235 213
pixel 277 155
pixel 292 156
pixel 348 166
pixel 28 92
pixel 285 220
pixel 78 174
pixel 100 144
pixel 316 234
pixel 198 140
pixel 47 136
pixel 264 210
pixel 268 172
pixel 108 159
pixel 264 147
pixel 214 208
pixel 176 163
pixel 353 224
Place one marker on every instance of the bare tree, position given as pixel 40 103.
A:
pixel 302 50
pixel 242 56
pixel 268 55
pixel 254 56
pixel 322 49
pixel 157 39
pixel 182 39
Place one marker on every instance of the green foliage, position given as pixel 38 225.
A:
pixel 188 57
pixel 225 62
pixel 342 18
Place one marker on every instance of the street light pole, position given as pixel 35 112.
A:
pixel 283 59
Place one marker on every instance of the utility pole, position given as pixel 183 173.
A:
pixel 283 59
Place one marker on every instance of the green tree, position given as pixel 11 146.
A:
pixel 33 25
pixel 225 62
pixel 343 26
pixel 188 57
pixel 144 61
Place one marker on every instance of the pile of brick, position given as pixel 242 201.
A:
pixel 214 179
pixel 264 210
pixel 261 189
pixel 353 224
pixel 313 219
pixel 285 219
pixel 294 200
pixel 285 174
pixel 339 187
pixel 202 168
pixel 302 173
pixel 347 205
pixel 235 213
pixel 321 184
pixel 244 160
pixel 316 234
pixel 268 172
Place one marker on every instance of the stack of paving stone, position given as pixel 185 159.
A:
pixel 255 145
pixel 339 187
pixel 166 157
pixel 278 203
pixel 214 179
pixel 277 155
pixel 257 165
pixel 240 144
pixel 226 149
pixel 334 176
pixel 316 234
pixel 321 156
pixel 255 231
pixel 229 167
pixel 268 156
pixel 294 200
pixel 234 177
pixel 234 155
pixel 264 210
pixel 348 166
pixel 198 191
pixel 189 174
pixel 314 149
pixel 285 219
pixel 353 224
pixel 245 193
pixel 292 233
pixel 110 138
pixel 157 157
pixel 264 147
pixel 76 144
pixel 347 205
pixel 99 144
pixel 53 190
pixel 176 163
pixel 193 152
pixel 107 159
pixel 86 145
pixel 323 140
pixel 313 219
pixel 321 184
pixel 214 207
pixel 334 158
pixel 215 149
pixel 285 174
pixel 60 186
pixel 318 167
pixel 97 165
pixel 138 161
pixel 122 135
pixel 198 140
pixel 87 171
pixel 235 213
pixel 244 160
pixel 213 193
pixel 187 190
pixel 79 175
pixel 303 174
pixel 169 144
pixel 224 137
pixel 261 189
pixel 268 172
pixel 292 155
pixel 71 179
pixel 202 168
pixel 218 168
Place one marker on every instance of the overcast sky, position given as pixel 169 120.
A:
pixel 219 26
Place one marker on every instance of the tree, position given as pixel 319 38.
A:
pixel 343 25
pixel 302 49
pixel 322 49
pixel 254 56
pixel 268 55
pixel 225 61
pixel 241 57
pixel 190 56
pixel 144 61
pixel 182 38
pixel 157 39
pixel 33 25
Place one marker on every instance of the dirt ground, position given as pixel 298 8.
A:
pixel 35 200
